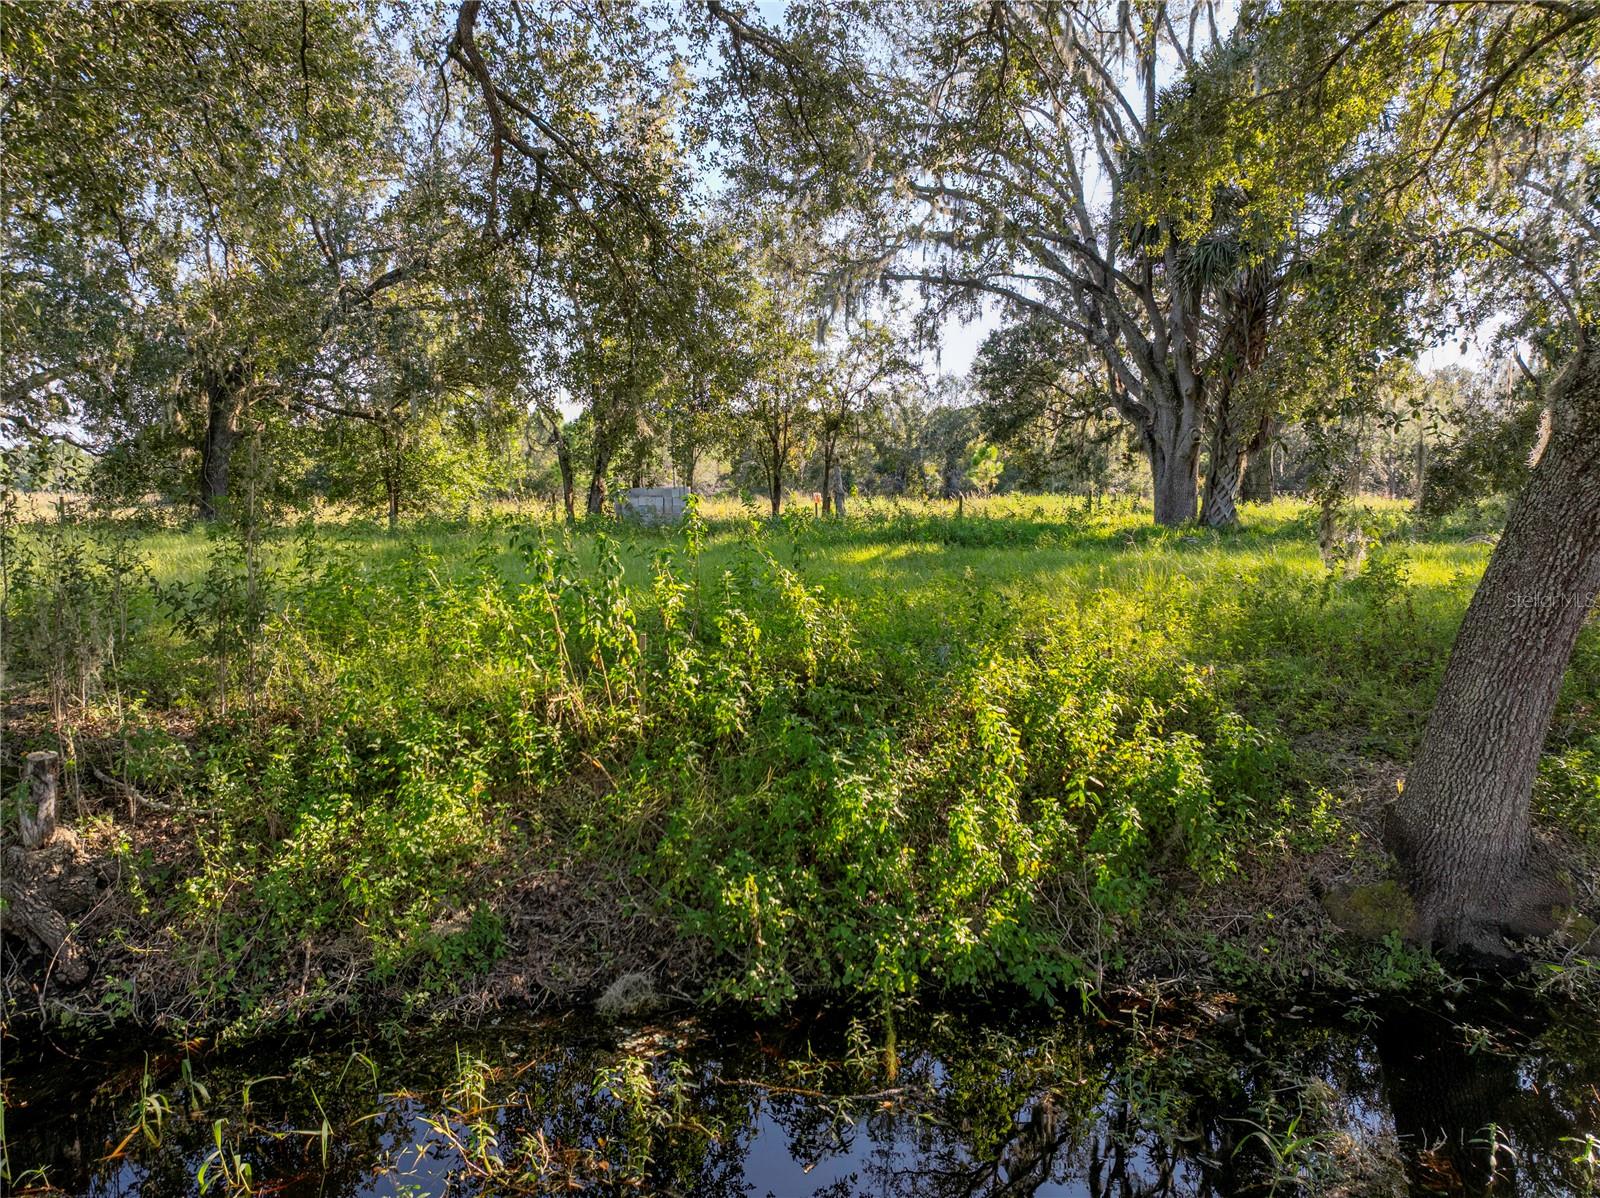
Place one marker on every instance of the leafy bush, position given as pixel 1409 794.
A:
pixel 957 775
pixel 1568 792
pixel 937 844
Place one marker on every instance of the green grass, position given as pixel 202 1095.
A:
pixel 899 753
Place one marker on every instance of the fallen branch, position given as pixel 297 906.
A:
pixel 135 796
pixel 129 793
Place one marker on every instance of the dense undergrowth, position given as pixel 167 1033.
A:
pixel 1033 748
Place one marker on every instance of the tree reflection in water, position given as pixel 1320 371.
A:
pixel 1409 1103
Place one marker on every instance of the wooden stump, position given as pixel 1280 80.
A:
pixel 48 878
pixel 38 815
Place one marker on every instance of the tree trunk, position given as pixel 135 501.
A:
pixel 1258 484
pixel 828 469
pixel 1174 473
pixel 223 404
pixel 596 504
pixel 1171 438
pixel 389 470
pixel 557 441
pixel 1224 477
pixel 1422 462
pixel 835 486
pixel 1462 828
pixel 1232 449
pixel 775 474
pixel 36 812
pixel 41 890
pixel 569 484
pixel 953 480
pixel 47 880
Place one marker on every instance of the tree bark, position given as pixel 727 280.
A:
pixel 569 484
pixel 37 811
pixel 775 491
pixel 1258 483
pixel 389 467
pixel 1232 449
pixel 46 879
pixel 1174 473
pixel 835 486
pixel 596 503
pixel 778 452
pixel 828 470
pixel 1462 827
pixel 953 480
pixel 41 890
pixel 223 390
pixel 556 438
pixel 1422 462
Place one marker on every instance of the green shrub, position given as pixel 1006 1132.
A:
pixel 892 753
pixel 1567 795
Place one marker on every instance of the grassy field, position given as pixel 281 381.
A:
pixel 1026 748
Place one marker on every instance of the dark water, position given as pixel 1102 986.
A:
pixel 1502 1100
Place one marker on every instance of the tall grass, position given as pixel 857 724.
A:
pixel 900 751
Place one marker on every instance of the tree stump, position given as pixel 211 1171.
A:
pixel 39 789
pixel 48 877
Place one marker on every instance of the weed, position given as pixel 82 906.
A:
pixel 897 752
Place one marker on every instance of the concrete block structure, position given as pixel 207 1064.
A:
pixel 653 505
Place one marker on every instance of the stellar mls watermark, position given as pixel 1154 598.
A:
pixel 1546 600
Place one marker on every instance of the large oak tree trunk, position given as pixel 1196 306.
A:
pixel 224 403
pixel 1174 472
pixel 1462 828
pixel 1172 445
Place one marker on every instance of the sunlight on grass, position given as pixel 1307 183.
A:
pixel 870 754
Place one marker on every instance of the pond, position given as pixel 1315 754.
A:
pixel 1486 1097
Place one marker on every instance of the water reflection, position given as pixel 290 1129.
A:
pixel 1478 1116
pixel 1245 1104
